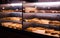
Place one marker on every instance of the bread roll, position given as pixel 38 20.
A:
pixel 12 18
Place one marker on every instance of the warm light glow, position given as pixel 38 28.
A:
pixel 44 4
pixel 48 3
pixel 16 4
pixel 3 7
pixel 17 9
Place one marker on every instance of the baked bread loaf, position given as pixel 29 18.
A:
pixel 12 25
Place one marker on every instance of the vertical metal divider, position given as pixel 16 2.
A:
pixel 22 15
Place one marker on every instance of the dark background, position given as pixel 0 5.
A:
pixel 12 33
pixel 9 1
pixel 41 0
pixel 14 1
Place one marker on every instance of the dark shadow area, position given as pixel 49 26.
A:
pixel 11 33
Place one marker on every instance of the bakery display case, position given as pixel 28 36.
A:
pixel 11 20
pixel 42 23
pixel 11 7
pixel 41 7
pixel 41 19
pixel 11 15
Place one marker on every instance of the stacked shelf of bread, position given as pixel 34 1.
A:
pixel 42 7
pixel 41 23
pixel 11 20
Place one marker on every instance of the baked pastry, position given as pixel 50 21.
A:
pixel 12 18
pixel 45 31
pixel 36 20
pixel 43 21
pixel 12 25
pixel 54 23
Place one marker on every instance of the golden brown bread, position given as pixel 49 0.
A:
pixel 11 18
pixel 47 31
pixel 12 25
pixel 43 21
pixel 55 23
